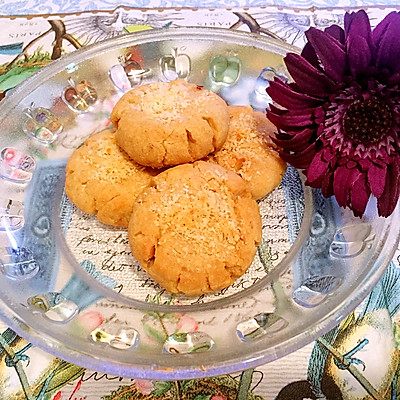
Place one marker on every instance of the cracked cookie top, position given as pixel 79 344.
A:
pixel 250 152
pixel 195 228
pixel 169 123
pixel 102 179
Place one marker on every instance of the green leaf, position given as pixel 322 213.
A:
pixel 185 385
pixel 155 334
pixel 15 76
pixel 246 378
pixel 135 28
pixel 347 322
pixel 161 387
pixel 39 56
pixel 264 252
pixel 63 373
pixel 396 334
pixel 180 337
pixel 203 397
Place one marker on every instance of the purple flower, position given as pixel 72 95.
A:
pixel 339 119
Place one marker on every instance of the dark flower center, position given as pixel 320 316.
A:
pixel 367 120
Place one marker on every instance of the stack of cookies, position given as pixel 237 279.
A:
pixel 182 171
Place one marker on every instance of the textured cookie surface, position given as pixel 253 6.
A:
pixel 102 179
pixel 170 123
pixel 250 152
pixel 195 229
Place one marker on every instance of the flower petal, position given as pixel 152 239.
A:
pixel 308 78
pixel 357 24
pixel 347 20
pixel 357 20
pixel 344 178
pixel 310 55
pixel 284 95
pixel 317 170
pixel 308 51
pixel 327 153
pixel 359 195
pixel 330 51
pixel 297 141
pixel 394 79
pixel 359 55
pixel 300 159
pixel 327 185
pixel 388 200
pixel 382 27
pixel 290 119
pixel 388 54
pixel 377 179
pixel 336 32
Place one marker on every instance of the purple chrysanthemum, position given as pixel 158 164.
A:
pixel 340 121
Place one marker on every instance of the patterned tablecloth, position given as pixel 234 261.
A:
pixel 357 360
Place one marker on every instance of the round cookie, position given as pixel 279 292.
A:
pixel 101 179
pixel 170 123
pixel 250 152
pixel 195 229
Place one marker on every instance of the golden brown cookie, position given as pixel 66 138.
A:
pixel 250 152
pixel 101 179
pixel 170 123
pixel 195 229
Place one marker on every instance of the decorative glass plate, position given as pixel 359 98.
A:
pixel 70 284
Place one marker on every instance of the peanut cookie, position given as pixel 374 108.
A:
pixel 101 179
pixel 195 228
pixel 170 123
pixel 250 152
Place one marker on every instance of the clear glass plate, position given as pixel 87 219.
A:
pixel 70 284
